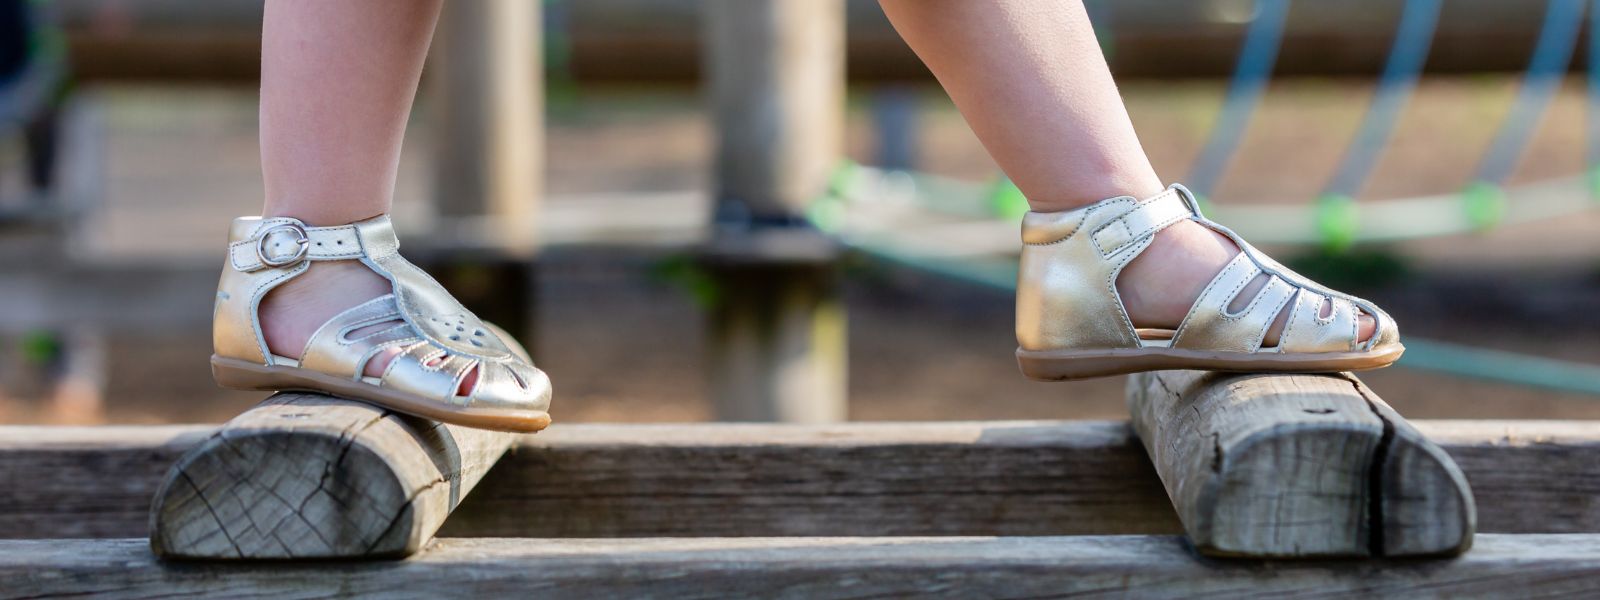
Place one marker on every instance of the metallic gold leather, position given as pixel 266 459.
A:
pixel 1386 332
pixel 1066 289
pixel 323 243
pixel 1210 326
pixel 344 344
pixel 1307 331
pixel 235 330
pixel 443 342
pixel 426 305
pixel 1067 297
pixel 1145 219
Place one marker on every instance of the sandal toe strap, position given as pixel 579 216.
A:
pixel 426 370
pixel 1211 326
pixel 1308 331
pixel 345 344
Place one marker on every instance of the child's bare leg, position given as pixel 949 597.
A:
pixel 1030 79
pixel 337 83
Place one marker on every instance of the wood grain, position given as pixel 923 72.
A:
pixel 311 476
pixel 856 479
pixel 1006 478
pixel 1297 466
pixel 1501 566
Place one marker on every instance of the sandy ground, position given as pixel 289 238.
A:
pixel 920 348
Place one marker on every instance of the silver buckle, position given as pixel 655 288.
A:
pixel 302 241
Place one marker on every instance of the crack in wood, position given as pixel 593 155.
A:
pixel 221 528
pixel 1375 479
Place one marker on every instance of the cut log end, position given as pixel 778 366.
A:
pixel 311 476
pixel 1297 466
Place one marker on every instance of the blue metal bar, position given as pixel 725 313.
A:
pixel 1505 367
pixel 1413 37
pixel 1593 132
pixel 1558 39
pixel 1250 78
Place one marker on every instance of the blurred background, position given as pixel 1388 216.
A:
pixel 1435 157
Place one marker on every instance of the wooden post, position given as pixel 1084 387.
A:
pixel 487 90
pixel 312 476
pixel 776 83
pixel 486 79
pixel 1298 466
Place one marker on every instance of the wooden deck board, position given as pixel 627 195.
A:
pixel 861 479
pixel 963 567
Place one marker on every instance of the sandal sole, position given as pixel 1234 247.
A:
pixel 238 374
pixel 1072 365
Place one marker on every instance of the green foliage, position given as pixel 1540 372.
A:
pixel 1340 269
pixel 40 347
pixel 684 273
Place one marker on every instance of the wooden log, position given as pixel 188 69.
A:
pixel 860 479
pixel 1298 466
pixel 1502 566
pixel 311 476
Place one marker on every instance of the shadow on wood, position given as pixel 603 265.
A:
pixel 311 476
pixel 1298 466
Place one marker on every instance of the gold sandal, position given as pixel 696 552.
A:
pixel 441 342
pixel 1071 323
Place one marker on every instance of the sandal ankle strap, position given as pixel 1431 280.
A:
pixel 284 242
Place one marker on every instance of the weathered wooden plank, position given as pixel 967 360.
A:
pixel 1007 478
pixel 1527 476
pixel 1298 466
pixel 1096 566
pixel 311 476
pixel 85 481
pixel 995 478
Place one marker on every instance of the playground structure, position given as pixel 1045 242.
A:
pixel 1245 466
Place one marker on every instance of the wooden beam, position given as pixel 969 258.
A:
pixel 1298 466
pixel 1501 566
pixel 1022 478
pixel 311 476
pixel 859 479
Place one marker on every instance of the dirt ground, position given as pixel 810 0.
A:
pixel 624 344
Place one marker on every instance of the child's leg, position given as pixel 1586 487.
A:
pixel 337 82
pixel 1030 79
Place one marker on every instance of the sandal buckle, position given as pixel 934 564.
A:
pixel 302 242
